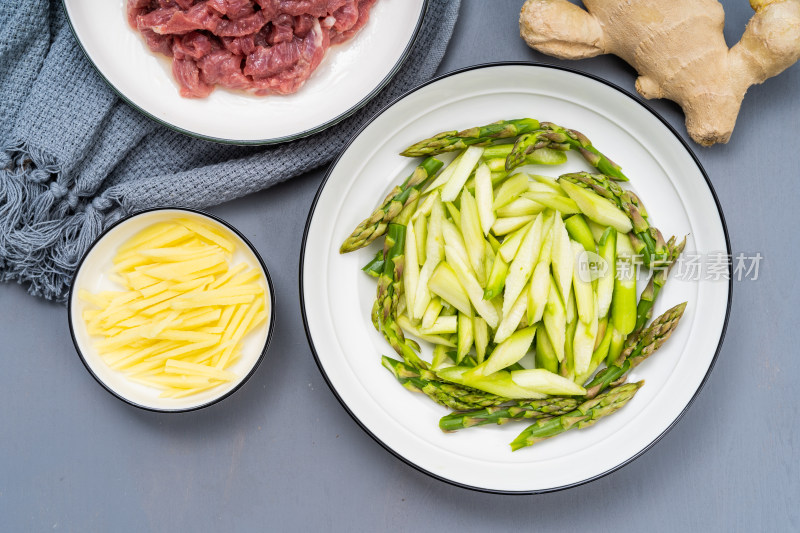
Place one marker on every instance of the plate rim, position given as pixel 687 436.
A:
pixel 635 100
pixel 275 140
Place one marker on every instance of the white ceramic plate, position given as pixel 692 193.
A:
pixel 93 275
pixel 348 77
pixel 337 296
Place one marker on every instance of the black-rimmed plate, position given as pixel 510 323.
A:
pixel 349 76
pixel 337 297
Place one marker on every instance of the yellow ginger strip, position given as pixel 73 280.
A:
pixel 187 336
pixel 210 329
pixel 130 263
pixel 155 304
pixel 212 271
pixel 260 317
pixel 227 276
pixel 148 234
pixel 90 314
pixel 95 330
pixel 139 280
pixel 227 314
pixel 115 319
pixel 201 275
pixel 239 333
pixel 177 271
pixel 208 233
pixel 134 321
pixel 118 279
pixel 189 285
pixel 144 303
pixel 201 319
pixel 184 303
pixel 224 292
pixel 175 366
pixel 143 367
pixel 237 354
pixel 179 350
pixel 158 308
pixel 113 357
pixel 98 300
pixel 182 382
pixel 171 321
pixel 233 325
pixel 175 235
pixel 171 254
pixel 250 276
pixel 152 290
pixel 189 315
pixel 192 284
pixel 178 393
pixel 139 320
pixel 230 329
pixel 115 304
pixel 154 349
pixel 121 339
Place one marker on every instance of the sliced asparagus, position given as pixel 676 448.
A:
pixel 648 240
pixel 556 137
pixel 639 347
pixel 399 197
pixel 447 394
pixel 644 310
pixel 449 141
pixel 585 415
pixel 519 410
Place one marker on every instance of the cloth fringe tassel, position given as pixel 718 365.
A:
pixel 45 225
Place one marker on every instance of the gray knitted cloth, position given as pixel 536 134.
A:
pixel 74 158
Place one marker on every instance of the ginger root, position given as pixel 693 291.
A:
pixel 677 47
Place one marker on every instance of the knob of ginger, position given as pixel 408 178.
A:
pixel 677 47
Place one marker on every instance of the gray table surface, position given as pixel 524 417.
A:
pixel 282 454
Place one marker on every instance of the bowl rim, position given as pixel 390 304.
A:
pixel 526 64
pixel 216 399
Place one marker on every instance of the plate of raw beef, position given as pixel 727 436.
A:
pixel 246 71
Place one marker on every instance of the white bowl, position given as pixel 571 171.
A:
pixel 93 275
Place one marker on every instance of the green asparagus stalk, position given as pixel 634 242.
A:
pixel 604 334
pixel 646 239
pixel 526 145
pixel 607 249
pixel 399 197
pixel 389 288
pixel 566 367
pixel 545 354
pixel 580 143
pixel 375 267
pixel 556 137
pixel 585 415
pixel 639 347
pixel 580 232
pixel 449 141
pixel 623 303
pixel 447 394
pixel 519 410
pixel 644 310
pixel 497 151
